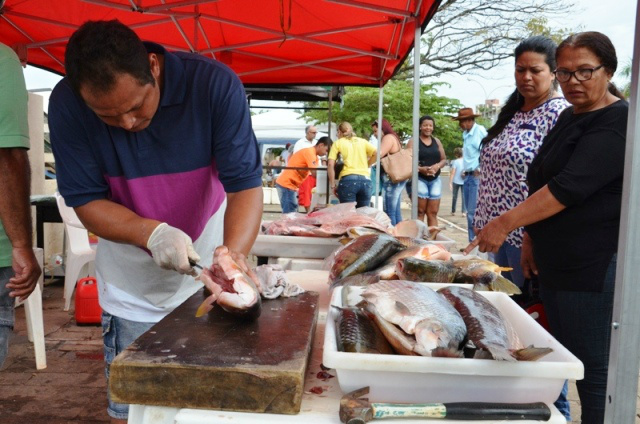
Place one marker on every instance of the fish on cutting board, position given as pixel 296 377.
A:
pixel 490 332
pixel 231 288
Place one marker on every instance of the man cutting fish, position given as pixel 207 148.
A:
pixel 155 152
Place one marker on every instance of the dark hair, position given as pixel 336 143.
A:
pixel 324 140
pixel 536 44
pixel 457 152
pixel 425 118
pixel 601 46
pixel 99 50
pixel 386 127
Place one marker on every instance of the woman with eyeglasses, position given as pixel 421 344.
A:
pixel 511 144
pixel 572 214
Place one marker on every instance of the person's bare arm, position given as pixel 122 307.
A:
pixel 15 213
pixel 433 169
pixel 331 172
pixel 540 205
pixel 242 219
pixel 114 222
pixel 242 223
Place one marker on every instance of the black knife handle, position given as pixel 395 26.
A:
pixel 497 411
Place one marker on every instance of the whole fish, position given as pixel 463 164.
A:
pixel 234 290
pixel 363 254
pixel 484 275
pixel 418 310
pixel 356 332
pixel 414 269
pixel 487 328
pixel 386 271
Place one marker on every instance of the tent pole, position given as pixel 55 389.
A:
pixel 379 135
pixel 622 384
pixel 329 118
pixel 416 114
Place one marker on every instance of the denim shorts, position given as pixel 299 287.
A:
pixel 118 333
pixel 431 190
pixel 7 313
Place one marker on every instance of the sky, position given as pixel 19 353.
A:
pixel 615 18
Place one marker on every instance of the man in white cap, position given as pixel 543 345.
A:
pixel 472 135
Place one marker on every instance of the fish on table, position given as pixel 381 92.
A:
pixel 433 271
pixel 419 312
pixel 484 275
pixel 363 254
pixel 492 335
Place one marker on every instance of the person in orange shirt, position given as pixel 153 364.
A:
pixel 290 180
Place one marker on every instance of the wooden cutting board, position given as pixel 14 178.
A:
pixel 220 362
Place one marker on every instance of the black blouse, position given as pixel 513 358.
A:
pixel 582 162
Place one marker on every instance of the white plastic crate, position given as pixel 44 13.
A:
pixel 400 378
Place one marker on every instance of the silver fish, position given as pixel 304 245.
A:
pixel 487 328
pixel 418 310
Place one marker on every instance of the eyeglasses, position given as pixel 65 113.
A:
pixel 584 74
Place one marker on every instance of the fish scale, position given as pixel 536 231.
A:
pixel 486 327
pixel 418 310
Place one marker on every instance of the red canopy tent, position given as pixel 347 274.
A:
pixel 266 42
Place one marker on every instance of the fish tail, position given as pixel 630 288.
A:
pixel 447 352
pixel 206 306
pixel 499 353
pixel 531 353
pixel 504 268
pixel 502 284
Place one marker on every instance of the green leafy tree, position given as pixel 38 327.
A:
pixel 625 73
pixel 468 36
pixel 359 107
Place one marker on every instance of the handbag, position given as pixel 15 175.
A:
pixel 398 165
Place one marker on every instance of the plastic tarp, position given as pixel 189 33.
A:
pixel 320 42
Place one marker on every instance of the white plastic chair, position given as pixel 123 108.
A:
pixel 79 251
pixel 33 315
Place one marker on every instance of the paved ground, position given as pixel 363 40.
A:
pixel 72 388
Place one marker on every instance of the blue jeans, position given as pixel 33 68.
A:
pixel 455 187
pixel 581 321
pixel 470 199
pixel 355 188
pixel 7 314
pixel 392 198
pixel 431 190
pixel 118 333
pixel 288 199
pixel 509 256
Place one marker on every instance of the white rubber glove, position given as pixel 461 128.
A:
pixel 171 248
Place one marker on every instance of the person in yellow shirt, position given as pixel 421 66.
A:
pixel 289 180
pixel 358 155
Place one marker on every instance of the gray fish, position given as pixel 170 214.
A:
pixel 356 332
pixel 414 269
pixel 487 328
pixel 363 254
pixel 418 310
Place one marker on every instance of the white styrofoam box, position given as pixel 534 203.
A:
pixel 298 264
pixel 444 241
pixel 399 378
pixel 294 247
